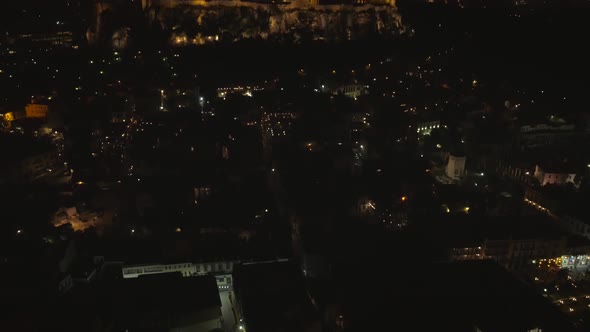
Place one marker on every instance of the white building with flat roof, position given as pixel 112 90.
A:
pixel 549 175
pixel 455 167
pixel 221 270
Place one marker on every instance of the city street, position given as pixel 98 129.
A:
pixel 229 322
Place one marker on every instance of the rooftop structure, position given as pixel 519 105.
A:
pixel 554 173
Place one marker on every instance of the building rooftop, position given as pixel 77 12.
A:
pixel 160 301
pixel 273 296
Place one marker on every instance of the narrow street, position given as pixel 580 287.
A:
pixel 229 321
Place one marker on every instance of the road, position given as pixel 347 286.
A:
pixel 229 321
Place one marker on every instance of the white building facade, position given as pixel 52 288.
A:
pixel 455 167
pixel 221 270
pixel 553 177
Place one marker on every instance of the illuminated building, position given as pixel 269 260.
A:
pixel 468 253
pixel 569 261
pixel 221 270
pixel 550 174
pixel 425 128
pixel 78 221
pixel 277 124
pixel 514 169
pixel 511 253
pixel 36 111
pixel 455 167
pixel 518 253
pixel 555 132
pixel 186 269
pixel 9 117
pixel 46 39
pixel 352 90
pixel 245 90
pixel 512 242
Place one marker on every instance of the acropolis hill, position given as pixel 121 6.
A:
pixel 193 22
pixel 296 3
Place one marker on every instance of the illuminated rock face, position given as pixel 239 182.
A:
pixel 213 22
pixel 146 4
pixel 199 22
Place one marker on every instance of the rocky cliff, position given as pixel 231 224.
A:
pixel 215 21
pixel 222 21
